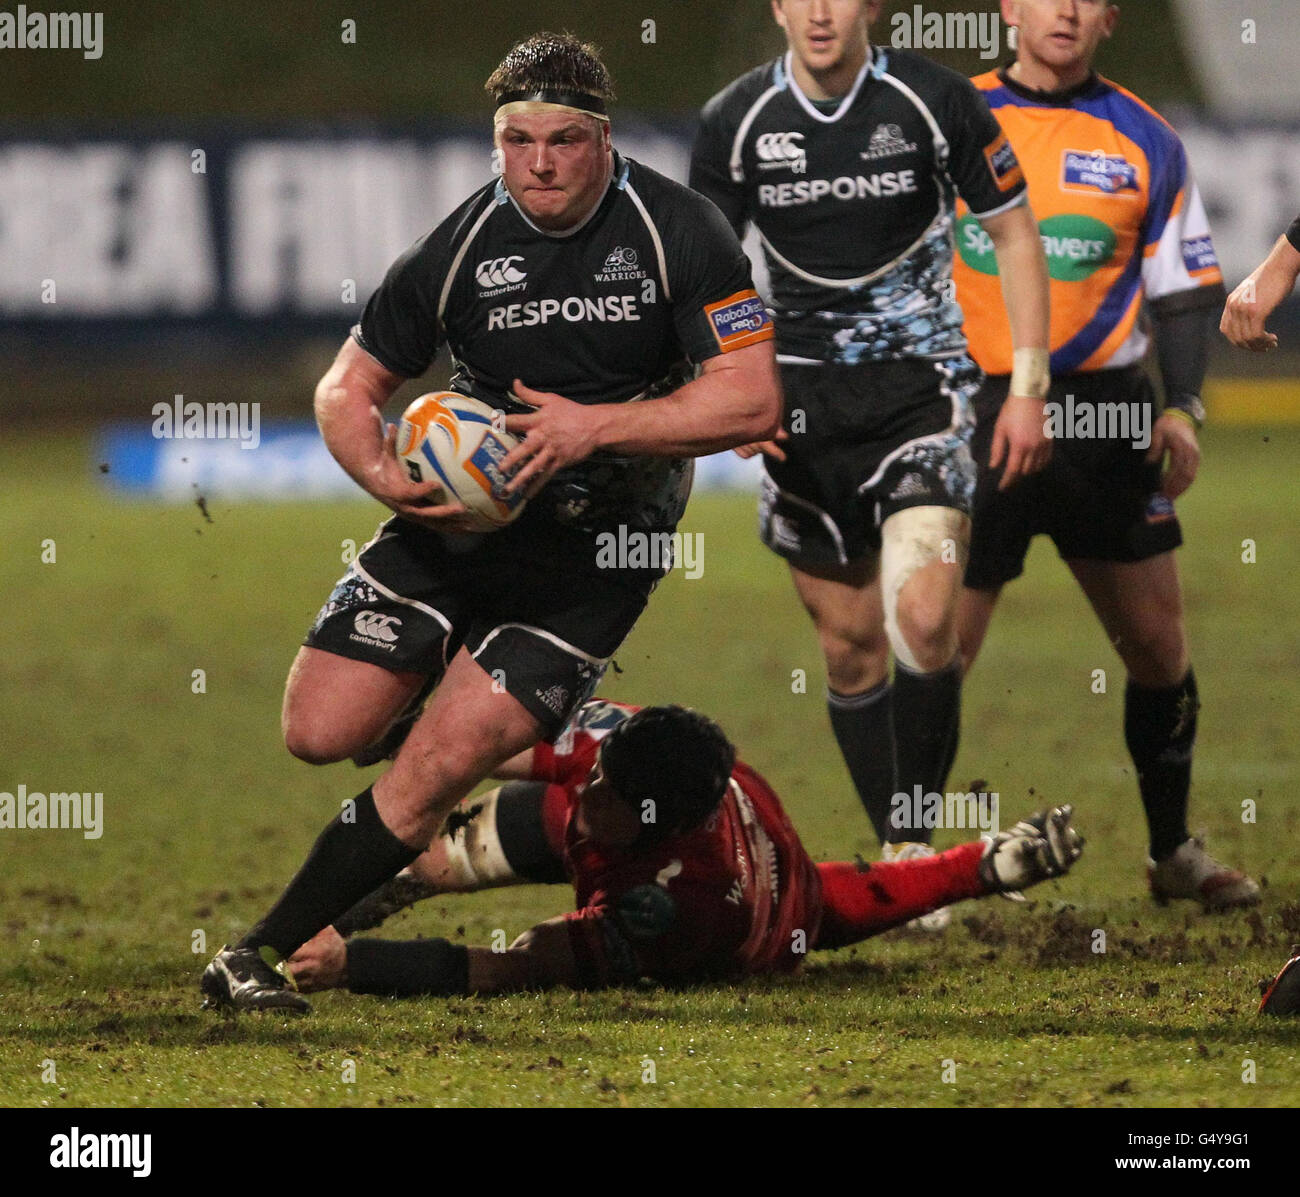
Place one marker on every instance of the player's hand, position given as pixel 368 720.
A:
pixel 1020 436
pixel 321 963
pixel 1036 849
pixel 556 435
pixel 1175 436
pixel 415 501
pixel 768 448
pixel 1249 306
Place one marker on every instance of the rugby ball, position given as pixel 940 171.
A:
pixel 458 442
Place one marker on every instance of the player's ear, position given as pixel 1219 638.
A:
pixel 873 8
pixel 1112 19
pixel 1011 12
pixel 777 14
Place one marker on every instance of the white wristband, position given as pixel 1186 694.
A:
pixel 1031 373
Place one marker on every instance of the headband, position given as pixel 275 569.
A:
pixel 584 102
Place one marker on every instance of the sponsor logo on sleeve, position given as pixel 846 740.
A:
pixel 739 320
pixel 1099 173
pixel 1199 257
pixel 1160 510
pixel 1004 166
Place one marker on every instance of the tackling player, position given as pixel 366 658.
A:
pixel 1252 303
pixel 847 158
pixel 684 864
pixel 599 282
pixel 1124 224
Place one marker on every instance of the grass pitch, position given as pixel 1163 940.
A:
pixel 206 816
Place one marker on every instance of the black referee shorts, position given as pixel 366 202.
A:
pixel 1097 498
pixel 528 601
pixel 866 441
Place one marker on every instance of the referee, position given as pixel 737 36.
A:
pixel 1128 238
pixel 578 282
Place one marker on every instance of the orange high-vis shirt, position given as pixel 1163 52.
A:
pixel 1120 217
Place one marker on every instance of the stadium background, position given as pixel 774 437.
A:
pixel 205 813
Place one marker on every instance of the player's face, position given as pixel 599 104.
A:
pixel 555 165
pixel 826 34
pixel 603 815
pixel 1062 34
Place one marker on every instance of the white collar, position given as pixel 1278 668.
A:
pixel 809 107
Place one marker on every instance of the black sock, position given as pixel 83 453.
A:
pixel 352 856
pixel 865 734
pixel 393 968
pixel 1160 730
pixel 927 717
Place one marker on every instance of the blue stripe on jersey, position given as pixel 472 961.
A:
pixel 1079 348
pixel 1166 160
pixel 779 78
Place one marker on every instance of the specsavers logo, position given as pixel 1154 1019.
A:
pixel 1076 246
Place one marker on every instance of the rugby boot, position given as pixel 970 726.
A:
pixel 1191 872
pixel 239 979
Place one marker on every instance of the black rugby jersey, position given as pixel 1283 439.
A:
pixel 854 205
pixel 621 307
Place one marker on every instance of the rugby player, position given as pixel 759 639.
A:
pixel 846 157
pixel 1125 224
pixel 576 283
pixel 684 864
pixel 1252 303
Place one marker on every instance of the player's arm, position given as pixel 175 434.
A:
pixel 1184 293
pixel 541 958
pixel 1252 303
pixel 1020 435
pixel 988 176
pixel 349 403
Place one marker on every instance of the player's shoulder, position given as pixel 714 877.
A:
pixel 931 81
pixel 456 226
pixel 730 104
pixel 1130 102
pixel 676 209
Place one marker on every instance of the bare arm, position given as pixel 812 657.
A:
pixel 1252 303
pixel 735 401
pixel 349 404
pixel 1020 434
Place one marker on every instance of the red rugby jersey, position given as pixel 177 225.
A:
pixel 737 895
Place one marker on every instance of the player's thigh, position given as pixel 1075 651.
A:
pixel 1140 605
pixel 843 601
pixel 469 727
pixel 334 706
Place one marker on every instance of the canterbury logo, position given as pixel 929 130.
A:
pixel 376 626
pixel 780 147
pixel 498 272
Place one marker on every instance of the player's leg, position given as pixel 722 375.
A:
pixel 376 648
pixel 861 900
pixel 843 602
pixel 334 707
pixel 1139 604
pixel 923 555
pixel 1002 525
pixel 974 615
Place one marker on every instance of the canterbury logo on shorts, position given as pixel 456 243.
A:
pixel 370 625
